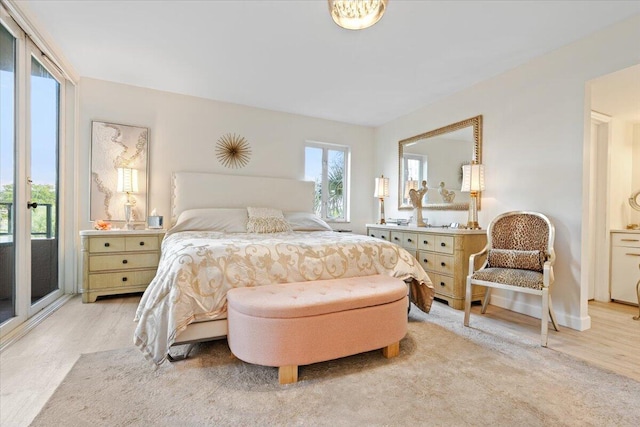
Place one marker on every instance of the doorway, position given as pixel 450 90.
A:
pixel 32 105
pixel 613 171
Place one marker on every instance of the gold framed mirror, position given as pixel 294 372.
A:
pixel 437 157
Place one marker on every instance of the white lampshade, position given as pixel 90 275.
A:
pixel 127 180
pixel 382 187
pixel 472 177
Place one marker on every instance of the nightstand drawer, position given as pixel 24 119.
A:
pixel 410 240
pixel 124 279
pixel 106 244
pixel 444 244
pixel 141 243
pixel 443 284
pixel 122 261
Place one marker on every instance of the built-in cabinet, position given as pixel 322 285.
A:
pixel 625 266
pixel 443 253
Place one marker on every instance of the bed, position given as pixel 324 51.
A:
pixel 208 250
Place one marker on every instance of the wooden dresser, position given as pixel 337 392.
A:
pixel 118 262
pixel 443 253
pixel 625 266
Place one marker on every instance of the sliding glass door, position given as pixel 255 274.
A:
pixel 8 85
pixel 31 102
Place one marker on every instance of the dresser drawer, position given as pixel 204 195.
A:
pixel 444 264
pixel 427 242
pixel 444 244
pixel 122 261
pixel 427 260
pixel 397 237
pixel 123 279
pixel 106 244
pixel 443 284
pixel 630 240
pixel 410 240
pixel 380 234
pixel 141 243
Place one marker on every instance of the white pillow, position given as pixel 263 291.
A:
pixel 213 219
pixel 306 221
pixel 266 220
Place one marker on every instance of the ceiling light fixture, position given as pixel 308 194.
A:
pixel 357 14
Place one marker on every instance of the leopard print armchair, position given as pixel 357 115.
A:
pixel 519 257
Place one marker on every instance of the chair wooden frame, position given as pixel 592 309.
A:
pixel 547 278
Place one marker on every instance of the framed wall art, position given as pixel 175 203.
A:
pixel 119 172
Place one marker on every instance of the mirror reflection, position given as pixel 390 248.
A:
pixel 437 158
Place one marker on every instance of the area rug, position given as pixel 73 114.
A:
pixel 445 375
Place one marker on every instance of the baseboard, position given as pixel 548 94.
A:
pixel 533 310
pixel 22 330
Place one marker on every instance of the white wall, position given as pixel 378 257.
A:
pixel 184 131
pixel 535 117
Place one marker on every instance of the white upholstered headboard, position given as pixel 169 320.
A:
pixel 193 190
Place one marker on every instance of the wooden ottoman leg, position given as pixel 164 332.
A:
pixel 288 374
pixel 392 350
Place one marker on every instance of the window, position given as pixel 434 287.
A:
pixel 327 166
pixel 414 170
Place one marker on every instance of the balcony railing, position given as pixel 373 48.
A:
pixel 6 226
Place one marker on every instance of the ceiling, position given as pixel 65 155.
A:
pixel 289 55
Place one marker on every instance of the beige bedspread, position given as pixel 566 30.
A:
pixel 198 268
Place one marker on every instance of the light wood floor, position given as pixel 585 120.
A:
pixel 33 367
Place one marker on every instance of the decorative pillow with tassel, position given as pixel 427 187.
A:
pixel 266 220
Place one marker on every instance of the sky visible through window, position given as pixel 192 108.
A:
pixel 44 129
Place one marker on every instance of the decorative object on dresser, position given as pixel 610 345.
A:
pixel 233 151
pixel 625 267
pixel 473 182
pixel 442 252
pixel 356 14
pixel 128 183
pixel 447 195
pixel 118 262
pixel 416 197
pixel 381 191
pixel 114 149
pixel 635 204
pixel 436 156
pixel 520 257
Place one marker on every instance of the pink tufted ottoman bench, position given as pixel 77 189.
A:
pixel 292 324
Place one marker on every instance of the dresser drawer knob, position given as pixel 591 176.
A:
pixel 106 245
pixel 124 279
pixel 425 242
pixel 124 261
pixel 443 244
pixel 442 264
pixel 409 240
pixel 395 238
pixel 383 237
pixel 442 284
pixel 141 243
pixel 373 235
pixel 425 260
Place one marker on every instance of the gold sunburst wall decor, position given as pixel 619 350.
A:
pixel 233 151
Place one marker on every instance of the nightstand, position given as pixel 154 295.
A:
pixel 119 261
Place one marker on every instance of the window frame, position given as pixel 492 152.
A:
pixel 346 150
